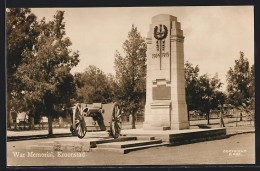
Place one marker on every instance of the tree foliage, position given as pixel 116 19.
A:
pixel 209 93
pixel 202 92
pixel 131 74
pixel 22 30
pixel 94 86
pixel 240 81
pixel 44 73
pixel 192 86
pixel 241 86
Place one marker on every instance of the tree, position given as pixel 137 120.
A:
pixel 251 100
pixel 131 74
pixel 221 99
pixel 238 82
pixel 94 86
pixel 202 92
pixel 249 108
pixel 241 86
pixel 209 94
pixel 22 30
pixel 46 81
pixel 252 82
pixel 249 105
pixel 192 86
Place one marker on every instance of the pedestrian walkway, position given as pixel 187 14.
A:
pixel 240 130
pixel 231 130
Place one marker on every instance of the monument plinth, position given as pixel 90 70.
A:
pixel 166 106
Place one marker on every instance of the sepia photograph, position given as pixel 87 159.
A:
pixel 130 86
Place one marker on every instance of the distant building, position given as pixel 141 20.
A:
pixel 22 117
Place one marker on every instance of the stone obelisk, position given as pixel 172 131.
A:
pixel 166 106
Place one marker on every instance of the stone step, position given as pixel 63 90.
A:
pixel 127 150
pixel 78 145
pixel 92 142
pixel 128 144
pixel 145 138
pixel 102 141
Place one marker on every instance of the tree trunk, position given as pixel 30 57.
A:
pixel 50 124
pixel 133 120
pixel 9 118
pixel 188 112
pixel 49 110
pixel 31 123
pixel 221 117
pixel 241 116
pixel 208 117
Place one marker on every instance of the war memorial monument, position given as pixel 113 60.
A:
pixel 166 106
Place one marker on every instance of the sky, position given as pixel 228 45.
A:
pixel 214 35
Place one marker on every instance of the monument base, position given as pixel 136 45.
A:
pixel 174 126
pixel 180 126
pixel 178 137
pixel 147 126
pixel 158 116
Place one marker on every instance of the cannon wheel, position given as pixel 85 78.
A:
pixel 79 124
pixel 116 121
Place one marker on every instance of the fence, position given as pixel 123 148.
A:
pixel 228 121
pixel 195 119
pixel 24 124
pixel 215 114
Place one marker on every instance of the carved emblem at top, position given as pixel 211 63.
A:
pixel 162 34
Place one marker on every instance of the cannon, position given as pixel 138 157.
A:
pixel 96 117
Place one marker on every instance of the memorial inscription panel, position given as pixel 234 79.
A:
pixel 161 92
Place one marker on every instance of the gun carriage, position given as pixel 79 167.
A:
pixel 96 117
